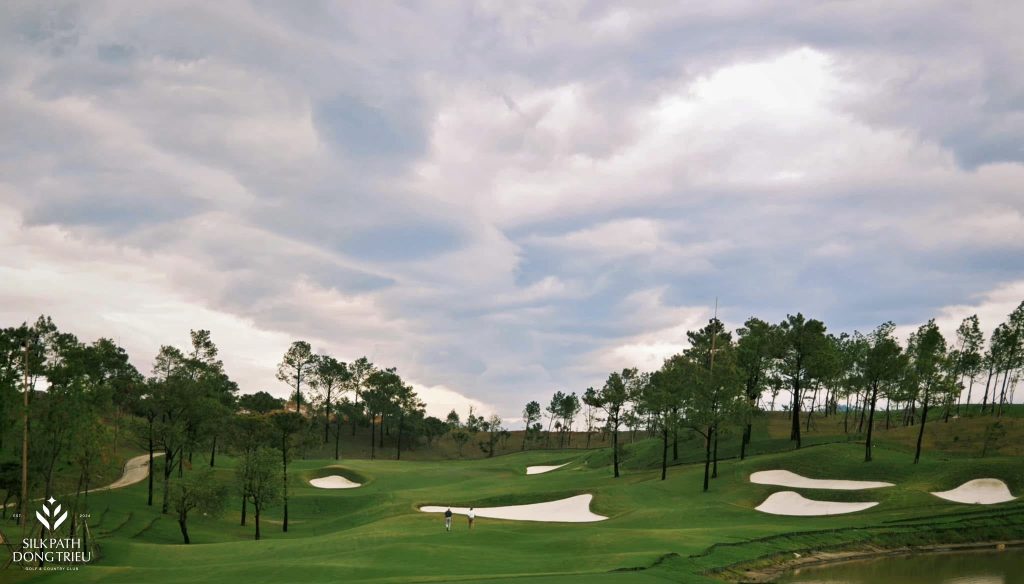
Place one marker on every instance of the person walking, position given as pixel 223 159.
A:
pixel 471 516
pixel 448 519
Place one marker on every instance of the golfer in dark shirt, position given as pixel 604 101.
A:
pixel 448 519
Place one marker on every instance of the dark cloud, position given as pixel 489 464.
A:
pixel 504 198
pixel 115 216
pixel 363 131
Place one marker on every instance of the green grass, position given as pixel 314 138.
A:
pixel 656 531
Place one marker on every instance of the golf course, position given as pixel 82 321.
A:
pixel 656 530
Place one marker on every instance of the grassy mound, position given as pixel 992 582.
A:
pixel 336 469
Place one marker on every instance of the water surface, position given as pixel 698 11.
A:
pixel 1005 567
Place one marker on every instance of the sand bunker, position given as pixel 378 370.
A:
pixel 532 470
pixel 572 510
pixel 793 503
pixel 334 482
pixel 979 492
pixel 784 478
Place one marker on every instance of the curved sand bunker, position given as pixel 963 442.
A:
pixel 793 503
pixel 979 492
pixel 572 510
pixel 532 470
pixel 334 482
pixel 784 478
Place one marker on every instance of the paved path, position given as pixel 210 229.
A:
pixel 135 470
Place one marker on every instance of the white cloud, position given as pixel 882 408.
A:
pixel 775 126
pixel 551 176
pixel 98 290
pixel 992 308
pixel 633 239
pixel 662 334
pixel 440 400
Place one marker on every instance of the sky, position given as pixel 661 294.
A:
pixel 504 199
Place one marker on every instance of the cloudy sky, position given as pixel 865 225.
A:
pixel 500 198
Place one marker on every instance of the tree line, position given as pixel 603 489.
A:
pixel 723 380
pixel 86 400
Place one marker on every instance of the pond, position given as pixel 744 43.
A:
pixel 993 567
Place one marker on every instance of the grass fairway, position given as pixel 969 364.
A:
pixel 656 531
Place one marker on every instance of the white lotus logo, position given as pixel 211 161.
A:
pixel 53 515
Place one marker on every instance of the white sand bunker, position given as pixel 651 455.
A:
pixel 572 510
pixel 532 470
pixel 979 492
pixel 793 503
pixel 334 482
pixel 784 478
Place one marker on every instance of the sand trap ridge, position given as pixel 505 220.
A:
pixel 572 510
pixel 334 482
pixel 532 470
pixel 793 503
pixel 979 492
pixel 784 478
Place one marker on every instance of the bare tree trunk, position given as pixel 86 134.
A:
pixel 794 433
pixel 984 400
pixel 707 457
pixel 398 449
pixel 810 412
pixel 871 422
pixel 168 469
pixel 664 451
pixel 920 433
pixel 863 407
pixel 615 448
pixel 1002 394
pixel 745 440
pixel 372 430
pixel 184 529
pixel 846 416
pixel 675 438
pixel 327 419
pixel 284 464
pixel 337 437
pixel 149 500
pixel 714 471
pixel 970 388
